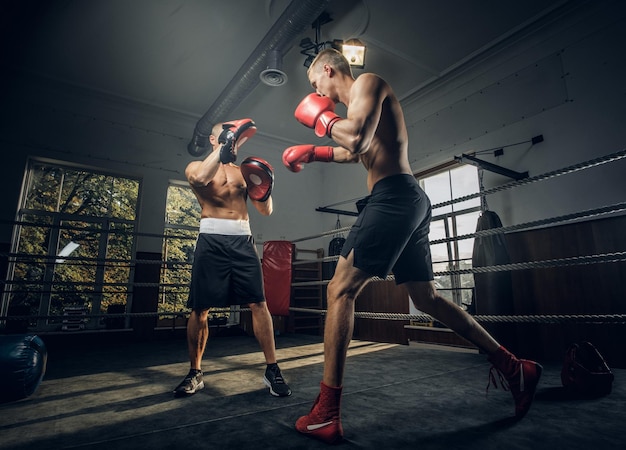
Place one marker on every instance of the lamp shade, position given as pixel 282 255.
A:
pixel 354 51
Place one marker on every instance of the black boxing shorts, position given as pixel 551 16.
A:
pixel 391 231
pixel 226 268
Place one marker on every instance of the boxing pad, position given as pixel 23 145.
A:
pixel 22 365
pixel 235 133
pixel 259 177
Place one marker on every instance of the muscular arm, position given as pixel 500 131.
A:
pixel 355 133
pixel 265 208
pixel 343 155
pixel 200 173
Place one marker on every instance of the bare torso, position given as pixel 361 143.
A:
pixel 388 151
pixel 225 196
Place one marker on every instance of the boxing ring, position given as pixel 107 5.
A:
pixel 497 318
pixel 283 264
pixel 104 388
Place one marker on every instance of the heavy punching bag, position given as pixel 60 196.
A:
pixel 22 365
pixel 494 290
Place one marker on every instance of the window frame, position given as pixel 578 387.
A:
pixel 104 226
pixel 451 220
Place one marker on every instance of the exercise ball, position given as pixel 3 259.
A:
pixel 22 366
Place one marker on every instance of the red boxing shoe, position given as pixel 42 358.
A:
pixel 521 376
pixel 324 420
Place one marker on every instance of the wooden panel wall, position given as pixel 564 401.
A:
pixel 382 296
pixel 582 289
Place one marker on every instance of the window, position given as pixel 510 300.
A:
pixel 182 217
pixel 450 221
pixel 72 245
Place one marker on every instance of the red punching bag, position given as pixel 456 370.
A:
pixel 276 265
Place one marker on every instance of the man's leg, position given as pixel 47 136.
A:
pixel 264 333
pixel 426 298
pixel 342 291
pixel 264 330
pixel 197 336
pixel 324 420
pixel 521 375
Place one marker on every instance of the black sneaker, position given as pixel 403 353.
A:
pixel 192 383
pixel 274 380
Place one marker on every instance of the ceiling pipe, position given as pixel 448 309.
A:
pixel 296 19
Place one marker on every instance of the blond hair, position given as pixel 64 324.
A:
pixel 334 59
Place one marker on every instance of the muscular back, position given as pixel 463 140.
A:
pixel 224 197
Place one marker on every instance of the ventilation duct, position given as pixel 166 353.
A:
pixel 273 76
pixel 296 19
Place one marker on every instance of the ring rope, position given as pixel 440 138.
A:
pixel 90 283
pixel 618 207
pixel 603 319
pixel 610 209
pixel 548 263
pixel 118 315
pixel 325 233
pixel 548 318
pixel 566 170
pixel 74 260
pixel 112 231
pixel 562 262
pixel 98 292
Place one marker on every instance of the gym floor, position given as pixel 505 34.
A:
pixel 119 395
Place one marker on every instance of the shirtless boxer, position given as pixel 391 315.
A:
pixel 222 188
pixel 390 234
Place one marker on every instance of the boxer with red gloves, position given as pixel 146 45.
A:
pixel 233 136
pixel 259 177
pixel 389 236
pixel 317 112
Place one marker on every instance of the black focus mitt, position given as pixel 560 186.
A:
pixel 234 135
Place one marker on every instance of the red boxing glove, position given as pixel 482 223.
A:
pixel 295 156
pixel 259 177
pixel 235 134
pixel 317 112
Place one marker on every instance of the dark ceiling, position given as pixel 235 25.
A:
pixel 181 55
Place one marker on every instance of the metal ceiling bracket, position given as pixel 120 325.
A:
pixel 491 167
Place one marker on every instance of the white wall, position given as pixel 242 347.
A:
pixel 565 82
